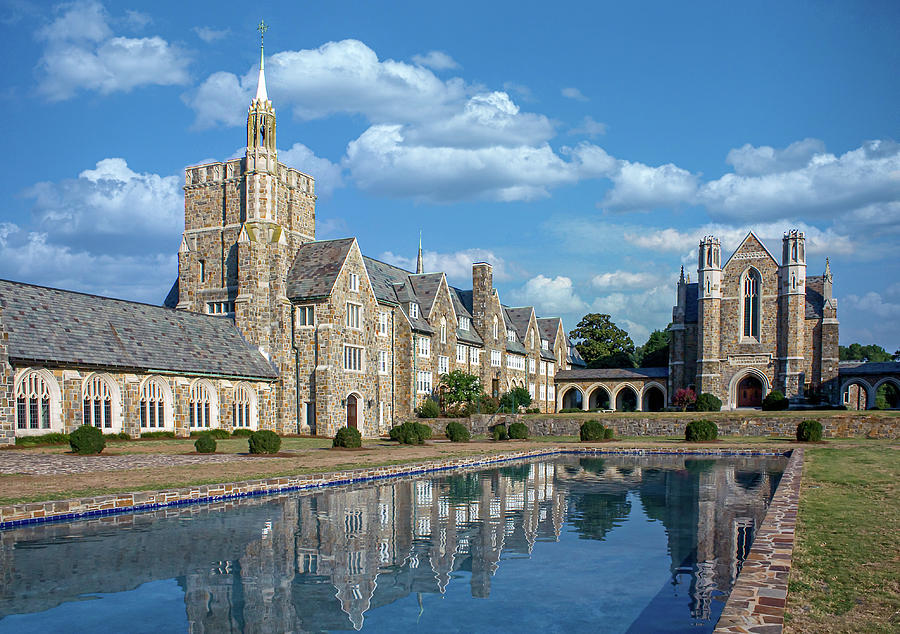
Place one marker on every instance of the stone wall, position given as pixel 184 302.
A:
pixel 7 396
pixel 835 424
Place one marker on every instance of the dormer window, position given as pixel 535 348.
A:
pixel 545 344
pixel 510 334
pixel 354 282
pixel 465 323
pixel 414 310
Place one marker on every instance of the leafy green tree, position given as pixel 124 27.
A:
pixel 601 343
pixel 460 388
pixel 871 353
pixel 514 399
pixel 655 353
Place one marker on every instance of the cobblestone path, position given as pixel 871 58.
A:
pixel 27 463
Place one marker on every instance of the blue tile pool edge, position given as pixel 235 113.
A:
pixel 345 478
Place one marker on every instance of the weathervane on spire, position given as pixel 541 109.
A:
pixel 262 28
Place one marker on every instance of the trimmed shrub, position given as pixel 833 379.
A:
pixel 241 432
pixel 457 432
pixel 533 410
pixel 608 433
pixel 411 433
pixel 518 431
pixel 347 437
pixel 87 440
pixel 698 430
pixel 218 434
pixel 54 438
pixel 158 434
pixel 774 401
pixel 264 441
pixel 707 402
pixel 809 431
pixel 429 409
pixel 205 443
pixel 498 432
pixel 592 430
pixel 570 410
pixel 120 436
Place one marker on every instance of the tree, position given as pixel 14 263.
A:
pixel 872 353
pixel 459 388
pixel 601 343
pixel 655 353
pixel 514 399
pixel 684 398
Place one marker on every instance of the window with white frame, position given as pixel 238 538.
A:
pixel 531 390
pixel 461 354
pixel 353 358
pixel 354 282
pixel 510 334
pixel 414 310
pixel 33 399
pixel 383 361
pixel 153 404
pixel 465 323
pixel 97 403
pixel 550 369
pixel 443 365
pixel 543 391
pixel 423 346
pixel 515 362
pixel 545 344
pixel 543 368
pixel 551 392
pixel 496 360
pixel 423 382
pixel 353 312
pixel 383 322
pixel 531 366
pixel 306 316
pixel 200 406
pixel 243 407
pixel 475 356
pixel 443 330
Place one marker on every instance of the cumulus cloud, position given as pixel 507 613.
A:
pixel 638 313
pixel 639 187
pixel 619 280
pixel 209 34
pixel 457 265
pixel 756 161
pixel 328 175
pixel 589 128
pixel 82 53
pixel 573 93
pixel 437 60
pixel 549 296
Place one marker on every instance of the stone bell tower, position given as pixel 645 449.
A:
pixel 792 313
pixel 709 315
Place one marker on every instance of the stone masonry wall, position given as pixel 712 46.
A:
pixel 7 396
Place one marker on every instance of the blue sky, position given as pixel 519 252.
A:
pixel 582 147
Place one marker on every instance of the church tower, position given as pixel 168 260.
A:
pixel 244 220
pixel 709 311
pixel 792 313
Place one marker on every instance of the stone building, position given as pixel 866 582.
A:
pixel 265 327
pixel 752 324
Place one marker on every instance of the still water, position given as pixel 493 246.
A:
pixel 610 544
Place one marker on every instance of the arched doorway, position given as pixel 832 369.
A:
pixel 856 396
pixel 887 396
pixel 599 399
pixel 626 399
pixel 749 392
pixel 352 417
pixel 573 399
pixel 653 400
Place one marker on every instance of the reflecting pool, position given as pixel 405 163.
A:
pixel 573 543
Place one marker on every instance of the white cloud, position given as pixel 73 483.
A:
pixel 573 93
pixel 755 161
pixel 137 20
pixel 524 92
pixel 639 312
pixel 639 187
pixel 589 127
pixel 549 296
pixel 456 265
pixel 873 304
pixel 209 34
pixel 111 200
pixel 328 175
pixel 437 60
pixel 81 53
pixel 622 280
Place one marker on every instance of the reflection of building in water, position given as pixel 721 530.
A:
pixel 314 562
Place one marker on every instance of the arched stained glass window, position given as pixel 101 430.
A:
pixel 751 304
pixel 32 402
pixel 153 405
pixel 97 403
pixel 200 407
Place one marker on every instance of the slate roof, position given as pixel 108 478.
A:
pixel 815 300
pixel 548 326
pixel 515 347
pixel 466 336
pixel 520 317
pixel 51 326
pixel 547 355
pixel 391 285
pixel 316 267
pixel 691 307
pixel 572 354
pixel 855 368
pixel 612 373
pixel 425 286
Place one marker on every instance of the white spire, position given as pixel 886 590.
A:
pixel 261 84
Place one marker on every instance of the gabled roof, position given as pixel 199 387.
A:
pixel 316 267
pixel 549 327
pixel 744 241
pixel 56 327
pixel 465 336
pixel 521 317
pixel 391 285
pixel 572 355
pixel 425 286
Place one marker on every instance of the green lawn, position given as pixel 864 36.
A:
pixel 846 569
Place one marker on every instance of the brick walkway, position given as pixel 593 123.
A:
pixel 29 463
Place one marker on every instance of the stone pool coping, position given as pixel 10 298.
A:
pixel 30 513
pixel 757 600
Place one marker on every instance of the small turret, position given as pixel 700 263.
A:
pixel 793 263
pixel 828 281
pixel 709 269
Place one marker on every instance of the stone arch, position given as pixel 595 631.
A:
pixel 892 396
pixel 626 398
pixel 751 288
pixel 740 376
pixel 571 396
pixel 355 409
pixel 151 389
pixel 599 397
pixel 653 397
pixel 33 382
pixel 862 397
pixel 203 405
pixel 101 402
pixel 245 407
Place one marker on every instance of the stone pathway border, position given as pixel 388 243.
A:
pixel 757 600
pixel 28 463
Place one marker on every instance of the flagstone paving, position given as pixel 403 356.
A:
pixel 30 463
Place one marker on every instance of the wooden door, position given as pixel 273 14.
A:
pixel 351 411
pixel 749 392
